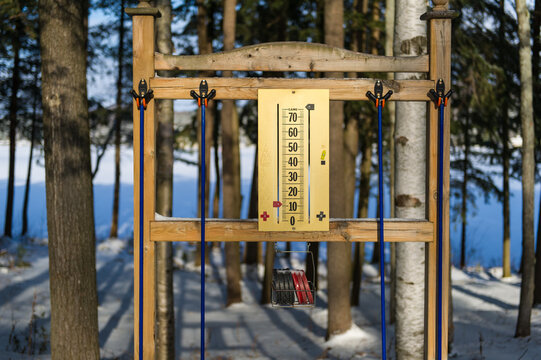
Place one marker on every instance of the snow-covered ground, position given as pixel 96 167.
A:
pixel 485 312
pixel 485 307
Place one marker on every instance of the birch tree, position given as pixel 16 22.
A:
pixel 165 315
pixel 410 137
pixel 528 170
pixel 391 108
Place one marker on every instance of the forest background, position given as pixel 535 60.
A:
pixel 486 139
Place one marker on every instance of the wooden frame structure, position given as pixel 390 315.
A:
pixel 289 57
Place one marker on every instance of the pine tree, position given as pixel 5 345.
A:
pixel 339 254
pixel 231 165
pixel 70 211
pixel 528 171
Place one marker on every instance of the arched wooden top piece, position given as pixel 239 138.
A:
pixel 292 56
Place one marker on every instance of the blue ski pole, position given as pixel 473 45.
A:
pixel 141 100
pixel 440 99
pixel 379 100
pixel 202 101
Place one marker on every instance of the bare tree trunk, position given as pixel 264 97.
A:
pixel 464 208
pixel 537 87
pixel 339 254
pixel 70 209
pixel 118 121
pixel 217 188
pixel 231 165
pixel 253 248
pixel 362 210
pixel 537 290
pixel 30 157
pixel 528 170
pixel 374 49
pixel 13 108
pixel 165 312
pixel 267 278
pixel 204 41
pixel 410 39
pixel 351 133
pixel 506 255
pixel 351 149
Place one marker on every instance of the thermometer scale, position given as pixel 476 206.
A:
pixel 293 162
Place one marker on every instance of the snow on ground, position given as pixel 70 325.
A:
pixel 485 312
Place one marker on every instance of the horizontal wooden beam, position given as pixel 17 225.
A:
pixel 291 56
pixel 351 230
pixel 246 88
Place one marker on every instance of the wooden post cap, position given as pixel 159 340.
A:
pixel 440 4
pixel 144 8
pixel 440 11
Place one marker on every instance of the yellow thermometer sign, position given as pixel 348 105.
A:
pixel 293 140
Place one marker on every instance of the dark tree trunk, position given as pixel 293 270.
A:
pixel 362 211
pixel 70 212
pixel 231 165
pixel 506 253
pixel 267 278
pixel 464 208
pixel 204 41
pixel 537 87
pixel 28 173
pixel 537 291
pixel 30 158
pixel 118 121
pixel 375 251
pixel 339 254
pixel 528 171
pixel 217 189
pixel 13 108
pixel 506 256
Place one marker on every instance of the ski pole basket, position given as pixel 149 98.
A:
pixel 291 287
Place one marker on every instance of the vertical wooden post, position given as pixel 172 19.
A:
pixel 439 50
pixel 143 68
